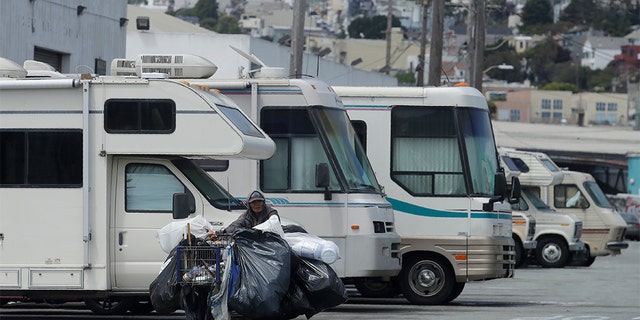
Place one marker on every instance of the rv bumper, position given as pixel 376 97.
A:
pixel 617 245
pixel 577 246
pixel 528 245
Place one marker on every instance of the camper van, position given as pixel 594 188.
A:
pixel 557 234
pixel 92 167
pixel 319 176
pixel 576 194
pixel 433 150
pixel 603 228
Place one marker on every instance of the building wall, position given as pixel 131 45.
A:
pixel 516 107
pixel 55 26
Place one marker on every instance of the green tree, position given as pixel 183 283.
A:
pixel 535 15
pixel 560 86
pixel 542 61
pixel 501 53
pixel 228 25
pixel 371 28
pixel 580 12
pixel 205 10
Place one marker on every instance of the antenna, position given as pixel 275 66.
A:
pixel 249 57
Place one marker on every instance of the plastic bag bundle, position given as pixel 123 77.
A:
pixel 170 235
pixel 271 225
pixel 263 262
pixel 313 247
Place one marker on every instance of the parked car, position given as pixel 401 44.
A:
pixel 633 225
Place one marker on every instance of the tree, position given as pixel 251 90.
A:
pixel 580 12
pixel 535 15
pixel 371 28
pixel 228 25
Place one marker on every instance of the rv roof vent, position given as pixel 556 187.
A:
pixel 270 72
pixel 123 67
pixel 10 69
pixel 177 65
pixel 39 69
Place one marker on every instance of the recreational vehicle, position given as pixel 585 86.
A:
pixel 92 167
pixel 557 234
pixel 576 194
pixel 433 150
pixel 319 176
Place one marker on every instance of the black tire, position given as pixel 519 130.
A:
pixel 427 280
pixel 457 290
pixel 109 306
pixel 141 307
pixel 370 288
pixel 521 256
pixel 552 253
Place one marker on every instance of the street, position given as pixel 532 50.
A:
pixel 609 289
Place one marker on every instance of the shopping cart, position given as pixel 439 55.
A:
pixel 201 265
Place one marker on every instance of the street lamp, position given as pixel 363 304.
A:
pixel 499 66
pixel 321 53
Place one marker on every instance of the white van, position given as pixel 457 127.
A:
pixel 91 168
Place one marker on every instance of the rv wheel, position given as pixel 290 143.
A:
pixel 552 253
pixel 427 280
pixel 108 306
pixel 374 288
pixel 457 290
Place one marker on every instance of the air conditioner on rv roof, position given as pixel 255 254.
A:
pixel 174 65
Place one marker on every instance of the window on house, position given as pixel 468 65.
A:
pixel 546 104
pixel 557 104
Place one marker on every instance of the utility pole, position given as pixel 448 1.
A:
pixel 423 43
pixel 475 43
pixel 435 49
pixel 297 38
pixel 387 62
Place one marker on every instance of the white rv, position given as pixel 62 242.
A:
pixel 557 234
pixel 91 168
pixel 576 194
pixel 319 175
pixel 433 150
pixel 603 228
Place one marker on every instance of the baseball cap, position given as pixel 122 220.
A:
pixel 255 196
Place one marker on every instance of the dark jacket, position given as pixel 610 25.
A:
pixel 249 219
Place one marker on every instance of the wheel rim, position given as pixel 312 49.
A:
pixel 551 253
pixel 426 278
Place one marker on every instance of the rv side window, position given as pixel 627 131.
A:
pixel 298 150
pixel 360 128
pixel 425 155
pixel 568 196
pixel 150 187
pixel 140 116
pixel 41 158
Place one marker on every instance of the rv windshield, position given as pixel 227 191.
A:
pixel 480 147
pixel 535 200
pixel 209 188
pixel 343 142
pixel 597 195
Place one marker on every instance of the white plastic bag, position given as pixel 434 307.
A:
pixel 170 235
pixel 313 247
pixel 271 225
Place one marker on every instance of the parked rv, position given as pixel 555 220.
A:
pixel 578 194
pixel 319 175
pixel 91 167
pixel 557 235
pixel 433 150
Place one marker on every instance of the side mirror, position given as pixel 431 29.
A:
pixel 322 179
pixel 181 205
pixel 499 190
pixel 516 190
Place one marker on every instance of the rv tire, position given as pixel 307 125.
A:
pixel 109 305
pixel 427 279
pixel 375 288
pixel 552 252
pixel 457 290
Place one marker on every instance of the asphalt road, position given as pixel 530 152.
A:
pixel 609 289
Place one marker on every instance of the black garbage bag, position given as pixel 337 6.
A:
pixel 263 261
pixel 321 284
pixel 164 290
